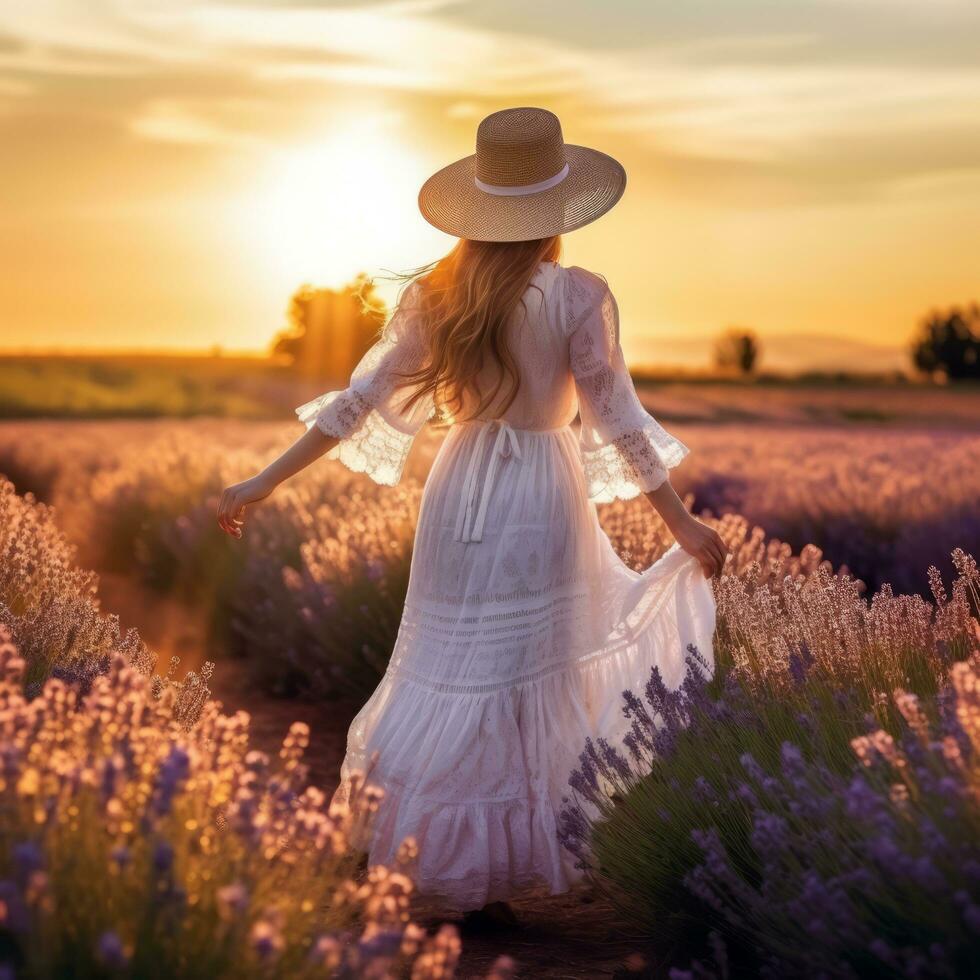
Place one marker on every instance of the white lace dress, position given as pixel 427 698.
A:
pixel 522 627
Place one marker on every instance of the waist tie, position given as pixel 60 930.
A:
pixel 506 444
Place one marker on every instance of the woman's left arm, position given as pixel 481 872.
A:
pixel 307 449
pixel 694 536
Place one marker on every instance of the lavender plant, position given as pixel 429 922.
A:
pixel 869 873
pixel 887 504
pixel 800 675
pixel 324 625
pixel 51 610
pixel 207 858
pixel 310 598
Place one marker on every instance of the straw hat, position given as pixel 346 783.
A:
pixel 523 182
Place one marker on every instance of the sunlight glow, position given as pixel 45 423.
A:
pixel 341 205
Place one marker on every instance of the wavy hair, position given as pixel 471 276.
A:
pixel 467 299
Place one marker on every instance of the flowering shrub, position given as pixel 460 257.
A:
pixel 135 847
pixel 641 537
pixel 818 627
pixel 872 873
pixel 887 504
pixel 311 604
pixel 310 598
pixel 134 517
pixel 323 620
pixel 50 610
pixel 672 825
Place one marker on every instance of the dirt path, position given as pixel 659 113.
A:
pixel 566 937
pixel 171 628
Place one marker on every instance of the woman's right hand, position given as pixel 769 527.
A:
pixel 703 543
pixel 234 500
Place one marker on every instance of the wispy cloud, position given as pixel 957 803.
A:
pixel 171 121
pixel 764 99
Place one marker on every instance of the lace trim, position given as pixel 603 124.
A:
pixel 583 292
pixel 344 414
pixel 374 429
pixel 369 443
pixel 633 463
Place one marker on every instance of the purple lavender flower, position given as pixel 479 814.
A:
pixel 28 858
pixel 232 900
pixel 171 775
pixel 163 856
pixel 769 833
pixel 382 945
pixel 17 916
pixel 111 952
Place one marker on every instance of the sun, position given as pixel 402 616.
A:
pixel 342 204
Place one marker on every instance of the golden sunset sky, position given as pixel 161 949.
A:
pixel 170 170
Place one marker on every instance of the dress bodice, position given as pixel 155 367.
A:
pixel 546 397
pixel 564 338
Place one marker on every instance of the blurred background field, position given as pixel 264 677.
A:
pixel 141 386
pixel 157 386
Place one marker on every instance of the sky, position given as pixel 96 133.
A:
pixel 171 170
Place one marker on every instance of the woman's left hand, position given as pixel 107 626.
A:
pixel 234 500
pixel 703 543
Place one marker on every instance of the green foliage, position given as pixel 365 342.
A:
pixel 132 386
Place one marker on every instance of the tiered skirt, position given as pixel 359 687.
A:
pixel 513 649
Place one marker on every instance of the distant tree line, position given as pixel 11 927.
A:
pixel 946 347
pixel 329 330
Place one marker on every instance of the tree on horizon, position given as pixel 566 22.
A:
pixel 737 349
pixel 329 330
pixel 948 343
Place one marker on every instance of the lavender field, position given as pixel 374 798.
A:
pixel 812 810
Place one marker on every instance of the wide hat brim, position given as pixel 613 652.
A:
pixel 451 200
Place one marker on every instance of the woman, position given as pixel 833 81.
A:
pixel 521 626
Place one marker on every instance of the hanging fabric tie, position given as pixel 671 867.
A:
pixel 505 446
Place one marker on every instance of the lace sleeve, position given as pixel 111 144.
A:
pixel 625 451
pixel 368 417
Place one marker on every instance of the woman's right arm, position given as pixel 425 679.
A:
pixel 308 448
pixel 366 422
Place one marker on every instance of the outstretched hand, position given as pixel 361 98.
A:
pixel 704 543
pixel 234 500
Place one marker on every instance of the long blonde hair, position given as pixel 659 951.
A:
pixel 467 299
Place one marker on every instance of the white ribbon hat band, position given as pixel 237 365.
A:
pixel 502 190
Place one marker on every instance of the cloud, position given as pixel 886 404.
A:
pixel 776 98
pixel 16 87
pixel 169 121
